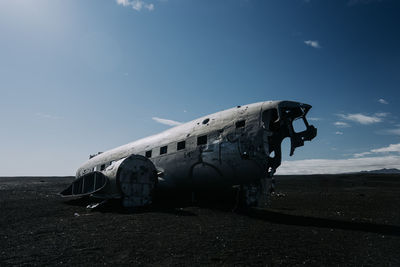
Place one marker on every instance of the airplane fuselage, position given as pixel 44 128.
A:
pixel 240 145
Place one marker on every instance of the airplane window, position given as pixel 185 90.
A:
pixel 181 145
pixel 102 167
pixel 148 154
pixel 240 124
pixel 163 150
pixel 202 140
pixel 206 121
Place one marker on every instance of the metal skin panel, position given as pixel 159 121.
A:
pixel 136 179
pixel 236 153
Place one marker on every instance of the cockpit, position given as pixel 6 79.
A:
pixel 277 121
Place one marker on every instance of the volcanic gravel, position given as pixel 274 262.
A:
pixel 331 220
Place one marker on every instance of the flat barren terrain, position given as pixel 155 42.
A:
pixel 326 220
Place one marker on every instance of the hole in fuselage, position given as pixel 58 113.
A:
pixel 270 118
pixel 272 154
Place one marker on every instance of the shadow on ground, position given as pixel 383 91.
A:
pixel 176 203
pixel 287 219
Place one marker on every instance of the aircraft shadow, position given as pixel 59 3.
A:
pixel 298 220
pixel 176 207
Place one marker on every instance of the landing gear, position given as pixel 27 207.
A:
pixel 257 194
pixel 270 175
pixel 251 195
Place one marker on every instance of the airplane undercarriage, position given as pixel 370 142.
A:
pixel 256 194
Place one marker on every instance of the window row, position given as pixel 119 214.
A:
pixel 201 140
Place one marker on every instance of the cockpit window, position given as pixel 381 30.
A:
pixel 299 125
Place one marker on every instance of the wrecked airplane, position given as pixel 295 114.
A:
pixel 238 146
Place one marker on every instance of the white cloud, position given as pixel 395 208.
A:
pixel 392 148
pixel 167 122
pixel 150 7
pixel 359 155
pixel 387 149
pixel 361 118
pixel 382 114
pixel 47 116
pixel 339 133
pixel 331 166
pixel 136 4
pixel 341 124
pixel 312 43
pixel 383 101
pixel 123 2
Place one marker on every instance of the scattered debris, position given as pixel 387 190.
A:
pixel 96 205
pixel 278 194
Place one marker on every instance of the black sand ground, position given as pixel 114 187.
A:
pixel 313 220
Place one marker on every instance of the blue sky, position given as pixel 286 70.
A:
pixel 77 77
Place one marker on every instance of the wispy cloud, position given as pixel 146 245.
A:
pixel 383 101
pixel 312 43
pixel 314 119
pixel 331 166
pixel 47 116
pixel 167 122
pixel 341 124
pixel 136 4
pixel 389 131
pixel 387 149
pixel 392 148
pixel 361 118
pixel 382 114
pixel 362 154
pixel 339 133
